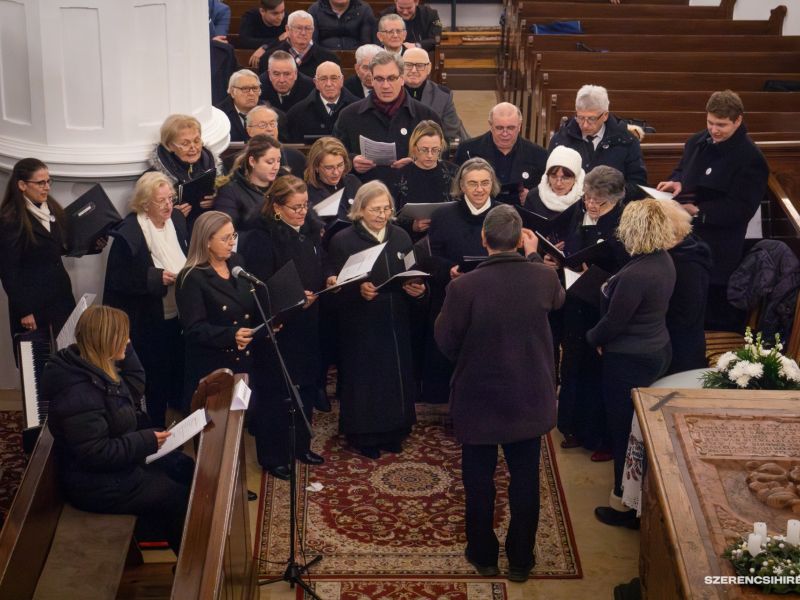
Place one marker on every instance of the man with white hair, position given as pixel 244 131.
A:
pixel 314 116
pixel 518 163
pixel 282 85
pixel 300 45
pixel 360 84
pixel 392 33
pixel 423 26
pixel 244 90
pixel 601 139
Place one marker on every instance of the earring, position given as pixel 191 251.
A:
pixel 277 216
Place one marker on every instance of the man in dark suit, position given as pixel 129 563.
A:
pixel 243 93
pixel 518 163
pixel 317 113
pixel 262 28
pixel 423 26
pixel 503 386
pixel 299 45
pixel 282 85
pixel 437 97
pixel 360 84
pixel 389 114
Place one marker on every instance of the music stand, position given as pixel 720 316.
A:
pixel 294 571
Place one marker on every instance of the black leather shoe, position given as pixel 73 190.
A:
pixel 519 574
pixel 393 447
pixel 251 496
pixel 311 458
pixel 483 570
pixel 368 451
pixel 617 518
pixel 279 472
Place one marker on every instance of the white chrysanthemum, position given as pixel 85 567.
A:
pixel 742 381
pixel 740 370
pixel 789 369
pixel 753 369
pixel 724 361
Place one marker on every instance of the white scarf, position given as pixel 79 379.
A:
pixel 560 203
pixel 166 253
pixel 477 211
pixel 40 211
pixel 378 235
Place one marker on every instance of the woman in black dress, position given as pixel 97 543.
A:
pixel 283 232
pixel 427 179
pixel 216 309
pixel 32 242
pixel 375 363
pixel 328 171
pixel 241 194
pixel 148 252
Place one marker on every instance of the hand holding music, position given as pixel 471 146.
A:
pixel 311 297
pixel 454 272
pixel 415 290
pixel 670 186
pixel 421 225
pixel 244 336
pixel 185 208
pixel 161 437
pixel 207 202
pixel 402 162
pixel 362 164
pixel 28 322
pixel 167 278
pixel 368 291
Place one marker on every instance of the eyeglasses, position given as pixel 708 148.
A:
pixel 591 120
pixel 303 28
pixel 297 209
pixel 588 200
pixel 506 128
pixel 381 210
pixel 431 151
pixel 250 89
pixel 198 143
pixel 331 79
pixel 393 31
pixel 474 185
pixel 390 79
pixel 561 178
pixel 264 125
pixel 332 168
pixel 40 183
pixel 169 201
pixel 418 66
pixel 231 237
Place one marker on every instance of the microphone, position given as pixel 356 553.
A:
pixel 240 273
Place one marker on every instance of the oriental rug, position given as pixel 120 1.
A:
pixel 400 516
pixel 12 458
pixel 406 590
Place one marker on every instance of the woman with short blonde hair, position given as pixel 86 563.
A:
pixel 328 171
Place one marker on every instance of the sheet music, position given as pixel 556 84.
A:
pixel 409 260
pixel 241 396
pixel 67 334
pixel 181 433
pixel 360 264
pixel 329 207
pixel 381 153
pixel 570 277
pixel 654 193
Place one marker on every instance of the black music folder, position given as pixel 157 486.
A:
pixel 285 291
pixel 573 261
pixel 468 263
pixel 386 281
pixel 332 229
pixel 588 285
pixel 536 222
pixel 197 189
pixel 89 218
pixel 420 210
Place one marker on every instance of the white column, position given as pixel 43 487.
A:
pixel 85 86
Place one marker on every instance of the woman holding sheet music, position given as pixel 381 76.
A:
pixel 148 252
pixel 286 232
pixel 378 390
pixel 32 242
pixel 94 388
pixel 328 171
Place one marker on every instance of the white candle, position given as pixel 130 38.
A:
pixel 760 528
pixel 754 544
pixel 793 532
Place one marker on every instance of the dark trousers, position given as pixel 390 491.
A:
pixel 478 466
pixel 162 359
pixel 622 373
pixel 272 426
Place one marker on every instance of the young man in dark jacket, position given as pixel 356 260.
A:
pixel 342 24
pixel 423 26
pixel 494 326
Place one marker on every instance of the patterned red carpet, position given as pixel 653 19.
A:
pixel 12 459
pixel 407 590
pixel 400 516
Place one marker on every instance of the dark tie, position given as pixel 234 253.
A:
pixel 590 140
pixel 243 117
pixel 331 107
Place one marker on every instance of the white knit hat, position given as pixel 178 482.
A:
pixel 563 156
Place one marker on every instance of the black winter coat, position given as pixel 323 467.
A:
pixel 301 89
pixel 254 33
pixel 239 198
pixel 310 116
pixel 375 362
pixel 362 118
pixel 353 85
pixel 421 185
pixel 619 148
pixel 34 278
pixel 351 184
pixel 101 435
pixel 530 161
pixel 238 131
pixel 293 161
pixel 314 57
pixel 424 28
pixel 354 28
pixel 577 236
pixel 503 387
pixel 728 181
pixel 212 310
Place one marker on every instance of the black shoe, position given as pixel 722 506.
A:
pixel 251 496
pixel 483 570
pixel 279 472
pixel 393 447
pixel 368 451
pixel 519 574
pixel 321 402
pixel 617 518
pixel 311 458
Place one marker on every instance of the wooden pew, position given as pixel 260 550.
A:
pixel 534 12
pixel 48 549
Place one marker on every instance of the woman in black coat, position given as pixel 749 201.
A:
pixel 427 178
pixel 328 171
pixel 216 309
pixel 375 363
pixel 255 168
pixel 455 232
pixel 283 232
pixel 32 242
pixel 94 389
pixel 148 252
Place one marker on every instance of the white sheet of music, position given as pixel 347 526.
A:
pixel 181 433
pixel 570 277
pixel 67 334
pixel 360 264
pixel 381 153
pixel 330 206
pixel 654 193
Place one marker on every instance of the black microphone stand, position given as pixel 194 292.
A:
pixel 294 570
